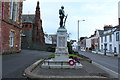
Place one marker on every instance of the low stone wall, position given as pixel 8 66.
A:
pixel 38 46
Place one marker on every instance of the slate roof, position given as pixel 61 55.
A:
pixel 118 28
pixel 28 18
pixel 101 32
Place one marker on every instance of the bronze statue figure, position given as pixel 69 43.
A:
pixel 61 16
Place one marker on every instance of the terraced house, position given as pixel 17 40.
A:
pixel 10 26
pixel 110 41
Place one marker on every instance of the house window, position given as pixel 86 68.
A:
pixel 115 50
pixel 119 48
pixel 117 36
pixel 26 25
pixel 110 38
pixel 11 39
pixel 13 10
pixel 101 39
pixel 105 38
pixel 30 26
pixel 110 48
pixel 101 47
pixel 22 26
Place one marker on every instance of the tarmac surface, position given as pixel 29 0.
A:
pixel 13 65
pixel 110 62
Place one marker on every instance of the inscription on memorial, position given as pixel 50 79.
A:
pixel 61 41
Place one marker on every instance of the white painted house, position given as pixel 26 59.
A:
pixel 93 41
pixel 75 47
pixel 110 41
pixel 50 38
pixel 88 43
pixel 117 40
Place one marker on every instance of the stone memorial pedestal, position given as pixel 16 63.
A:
pixel 61 49
pixel 61 54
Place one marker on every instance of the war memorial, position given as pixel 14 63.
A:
pixel 61 59
pixel 62 66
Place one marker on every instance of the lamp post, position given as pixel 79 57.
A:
pixel 78 33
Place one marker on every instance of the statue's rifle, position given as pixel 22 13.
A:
pixel 65 20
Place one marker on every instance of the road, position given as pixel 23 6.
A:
pixel 13 65
pixel 108 62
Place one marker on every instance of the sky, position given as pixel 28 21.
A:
pixel 96 14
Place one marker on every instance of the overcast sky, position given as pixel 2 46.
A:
pixel 96 14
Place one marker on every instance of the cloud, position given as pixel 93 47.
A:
pixel 78 0
pixel 29 7
pixel 63 0
pixel 94 7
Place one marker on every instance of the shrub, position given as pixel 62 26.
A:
pixel 69 48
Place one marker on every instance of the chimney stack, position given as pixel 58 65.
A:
pixel 107 27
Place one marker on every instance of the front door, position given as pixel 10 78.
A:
pixel 105 48
pixel 119 48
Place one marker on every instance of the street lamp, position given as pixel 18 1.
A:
pixel 78 33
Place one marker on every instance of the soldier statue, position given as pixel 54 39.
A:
pixel 62 15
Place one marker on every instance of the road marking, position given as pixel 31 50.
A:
pixel 112 73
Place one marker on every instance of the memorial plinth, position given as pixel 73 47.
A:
pixel 61 49
pixel 61 54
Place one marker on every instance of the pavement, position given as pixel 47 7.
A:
pixel 107 54
pixel 108 63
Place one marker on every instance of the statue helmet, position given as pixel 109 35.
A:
pixel 62 7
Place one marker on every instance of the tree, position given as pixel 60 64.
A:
pixel 69 47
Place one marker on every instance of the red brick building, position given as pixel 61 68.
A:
pixel 38 34
pixel 32 29
pixel 10 26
